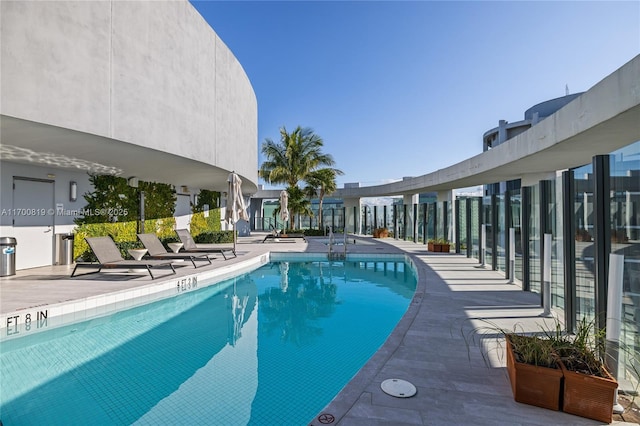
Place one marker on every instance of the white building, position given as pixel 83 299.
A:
pixel 142 90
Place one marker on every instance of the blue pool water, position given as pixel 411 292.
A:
pixel 272 346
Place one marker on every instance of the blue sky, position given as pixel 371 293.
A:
pixel 400 88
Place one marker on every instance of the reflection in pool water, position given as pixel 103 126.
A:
pixel 279 341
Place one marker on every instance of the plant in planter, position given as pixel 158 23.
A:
pixel 589 389
pixel 585 387
pixel 583 235
pixel 619 236
pixel 534 371
pixel 431 244
pixel 533 368
pixel 445 245
pixel 380 233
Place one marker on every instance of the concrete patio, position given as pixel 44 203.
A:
pixel 455 386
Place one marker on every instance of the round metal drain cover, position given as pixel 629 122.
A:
pixel 398 388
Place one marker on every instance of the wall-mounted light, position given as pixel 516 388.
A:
pixel 133 182
pixel 73 191
pixel 184 189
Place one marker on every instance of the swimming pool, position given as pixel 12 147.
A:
pixel 272 346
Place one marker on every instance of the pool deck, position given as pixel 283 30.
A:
pixel 455 386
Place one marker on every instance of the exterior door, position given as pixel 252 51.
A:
pixel 33 221
pixel 183 211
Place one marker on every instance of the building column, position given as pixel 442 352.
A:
pixel 351 220
pixel 601 235
pixel 411 216
pixel 445 198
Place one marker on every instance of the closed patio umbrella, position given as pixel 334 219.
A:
pixel 284 207
pixel 284 276
pixel 236 209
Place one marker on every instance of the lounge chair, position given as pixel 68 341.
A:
pixel 283 237
pixel 191 246
pixel 156 250
pixel 109 257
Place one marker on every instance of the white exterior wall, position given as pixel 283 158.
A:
pixel 143 88
pixel 149 73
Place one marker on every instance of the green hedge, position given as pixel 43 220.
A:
pixel 124 234
pixel 200 224
pixel 214 237
pixel 312 232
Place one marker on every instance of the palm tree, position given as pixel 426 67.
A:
pixel 292 159
pixel 298 203
pixel 321 182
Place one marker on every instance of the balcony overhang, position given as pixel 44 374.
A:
pixel 38 144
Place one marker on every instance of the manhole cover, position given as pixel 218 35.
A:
pixel 324 418
pixel 398 388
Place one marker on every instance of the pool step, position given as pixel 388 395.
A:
pixel 336 256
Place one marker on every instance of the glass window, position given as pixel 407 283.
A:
pixel 557 256
pixel 501 238
pixel 461 232
pixel 584 249
pixel 535 279
pixel 409 225
pixel 487 213
pixel 516 214
pixel 440 218
pixel 475 227
pixel 422 211
pixel 431 208
pixel 625 240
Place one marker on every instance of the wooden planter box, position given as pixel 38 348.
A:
pixel 539 386
pixel 445 248
pixel 380 233
pixel 588 396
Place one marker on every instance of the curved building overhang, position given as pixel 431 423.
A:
pixel 44 145
pixel 144 89
pixel 601 120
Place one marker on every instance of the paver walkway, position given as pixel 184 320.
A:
pixel 454 385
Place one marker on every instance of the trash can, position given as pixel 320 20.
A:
pixel 8 256
pixel 65 249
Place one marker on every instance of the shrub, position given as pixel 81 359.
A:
pixel 119 231
pixel 214 237
pixel 200 224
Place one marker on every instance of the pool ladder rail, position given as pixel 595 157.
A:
pixel 334 255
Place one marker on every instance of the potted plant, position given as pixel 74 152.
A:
pixel 589 389
pixel 445 245
pixel 534 371
pixel 533 367
pixel 619 236
pixel 431 244
pixel 583 235
pixel 380 233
